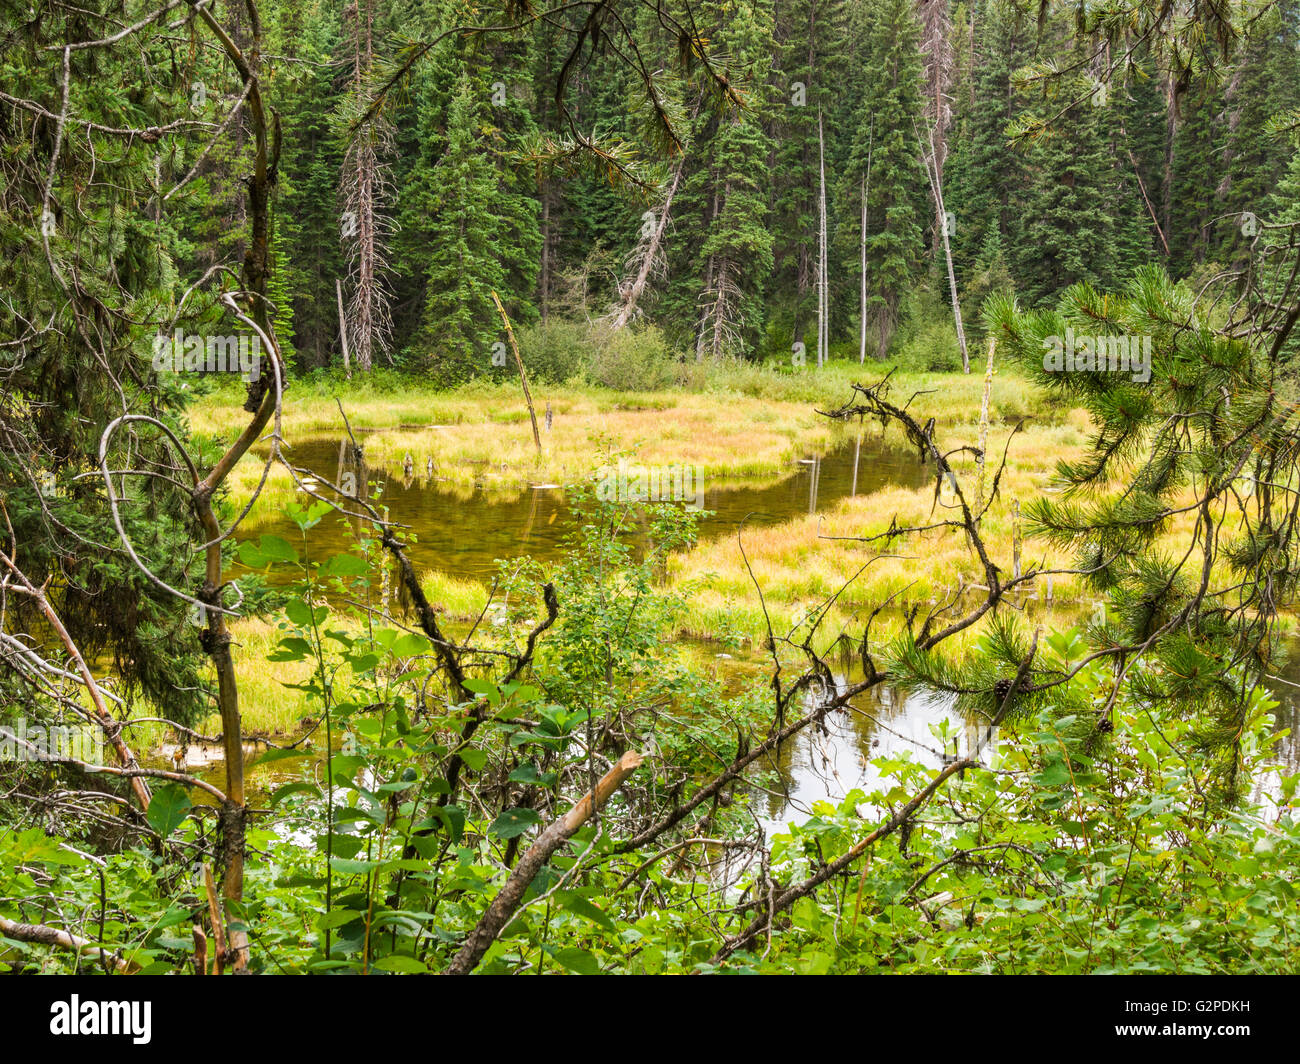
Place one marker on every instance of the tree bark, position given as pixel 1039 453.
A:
pixel 523 377
pixel 52 936
pixel 866 191
pixel 503 906
pixel 823 332
pixel 647 262
pixel 343 328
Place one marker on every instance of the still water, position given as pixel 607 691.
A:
pixel 465 537
pixel 825 765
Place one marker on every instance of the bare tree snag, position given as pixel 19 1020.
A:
pixel 823 281
pixel 343 327
pixel 523 377
pixel 981 457
pixel 366 186
pixel 934 172
pixel 862 250
pixel 507 901
pixel 648 255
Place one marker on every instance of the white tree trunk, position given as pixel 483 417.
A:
pixel 862 266
pixel 823 331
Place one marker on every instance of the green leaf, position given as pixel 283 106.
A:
pixel 276 754
pixel 527 773
pixel 577 960
pixel 168 809
pixel 337 918
pixel 514 822
pixel 1054 775
pixel 345 565
pixel 350 867
pixel 398 963
pixel 292 648
pixel 281 793
pixel 451 818
pixel 302 615
pixel 580 906
pixel 483 687
pixel 411 644
pixel 272 549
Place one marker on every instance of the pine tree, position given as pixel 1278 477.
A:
pixel 888 116
pixel 458 324
pixel 722 270
pixel 814 72
pixel 1067 229
pixel 308 258
pixel 987 173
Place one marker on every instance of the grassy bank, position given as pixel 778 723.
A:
pixel 743 422
pixel 739 421
pixel 732 423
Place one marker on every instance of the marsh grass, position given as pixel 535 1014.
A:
pixel 748 422
pixel 733 422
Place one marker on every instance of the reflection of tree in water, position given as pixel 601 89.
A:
pixel 1285 753
pixel 824 765
pixel 463 537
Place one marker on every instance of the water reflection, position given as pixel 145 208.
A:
pixel 1284 756
pixel 823 765
pixel 464 537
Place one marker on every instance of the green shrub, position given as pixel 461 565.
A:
pixel 926 341
pixel 632 360
pixel 555 352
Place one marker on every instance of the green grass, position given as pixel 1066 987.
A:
pixel 733 422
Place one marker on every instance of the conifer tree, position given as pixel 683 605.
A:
pixel 723 270
pixel 889 116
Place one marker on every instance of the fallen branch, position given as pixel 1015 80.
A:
pixel 503 906
pixel 523 377
pixel 52 936
pixel 111 728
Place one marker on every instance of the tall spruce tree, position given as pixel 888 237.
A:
pixel 898 202
pixel 722 270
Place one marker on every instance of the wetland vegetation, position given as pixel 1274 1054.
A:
pixel 838 515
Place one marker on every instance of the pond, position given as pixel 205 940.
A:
pixel 826 764
pixel 464 537
pixel 885 722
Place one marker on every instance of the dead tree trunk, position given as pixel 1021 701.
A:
pixel 862 265
pixel 823 332
pixel 936 187
pixel 523 377
pixel 365 186
pixel 503 906
pixel 648 255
